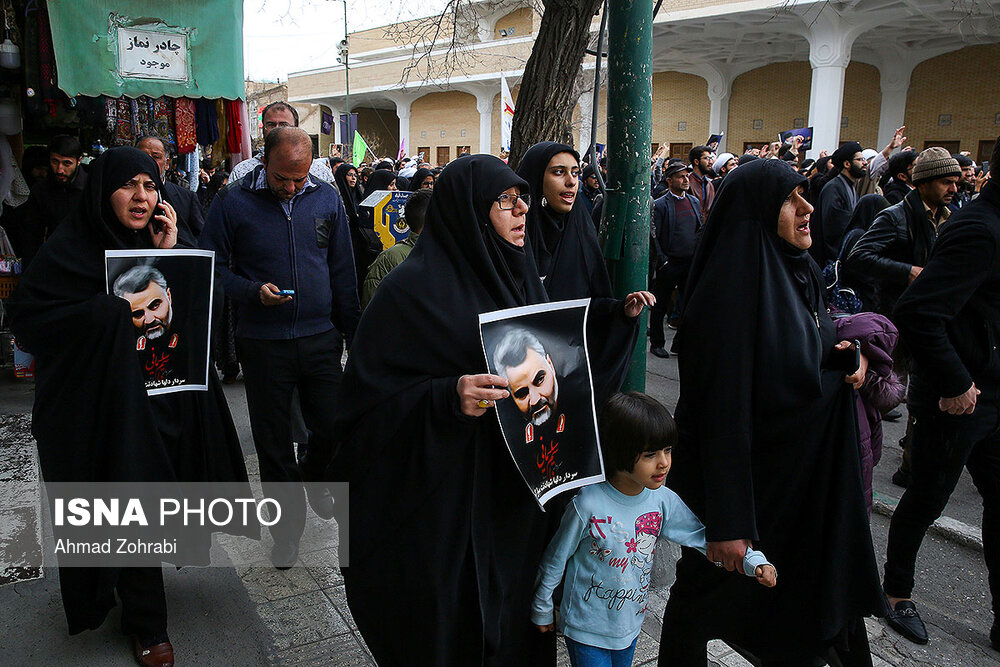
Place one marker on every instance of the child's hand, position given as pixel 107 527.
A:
pixel 766 575
pixel 551 627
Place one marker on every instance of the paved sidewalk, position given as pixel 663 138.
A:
pixel 256 615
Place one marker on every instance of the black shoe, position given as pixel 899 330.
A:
pixel 901 478
pixel 675 349
pixel 905 620
pixel 284 553
pixel 320 499
pixel 995 636
pixel 659 352
pixel 893 415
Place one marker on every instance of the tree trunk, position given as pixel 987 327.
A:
pixel 546 99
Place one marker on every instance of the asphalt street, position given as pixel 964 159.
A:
pixel 259 616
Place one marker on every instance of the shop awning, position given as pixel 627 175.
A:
pixel 178 48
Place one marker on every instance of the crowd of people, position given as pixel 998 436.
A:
pixel 790 282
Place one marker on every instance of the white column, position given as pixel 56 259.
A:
pixel 895 82
pixel 718 115
pixel 403 112
pixel 719 77
pixel 586 102
pixel 335 137
pixel 830 41
pixel 484 105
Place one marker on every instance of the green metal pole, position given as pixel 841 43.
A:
pixel 630 129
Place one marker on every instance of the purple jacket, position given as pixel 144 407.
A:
pixel 882 390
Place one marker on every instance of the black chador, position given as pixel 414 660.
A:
pixel 93 419
pixel 768 447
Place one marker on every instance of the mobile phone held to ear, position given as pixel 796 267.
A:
pixel 157 225
pixel 847 360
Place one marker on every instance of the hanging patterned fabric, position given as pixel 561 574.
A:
pixel 184 121
pixel 32 62
pixel 124 132
pixel 207 124
pixel 163 119
pixel 192 168
pixel 219 147
pixel 133 110
pixel 47 63
pixel 246 150
pixel 111 114
pixel 234 126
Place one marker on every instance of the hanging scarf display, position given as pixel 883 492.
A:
pixel 246 150
pixel 234 126
pixel 184 123
pixel 47 63
pixel 163 119
pixel 219 147
pixel 206 122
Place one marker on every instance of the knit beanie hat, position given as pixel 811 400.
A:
pixel 935 162
pixel 721 161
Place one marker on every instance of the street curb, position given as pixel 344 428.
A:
pixel 946 527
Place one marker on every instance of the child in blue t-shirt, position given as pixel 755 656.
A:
pixel 608 533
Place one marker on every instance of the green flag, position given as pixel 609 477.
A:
pixel 360 148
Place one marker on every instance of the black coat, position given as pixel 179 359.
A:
pixel 900 238
pixel 665 227
pixel 895 191
pixel 49 203
pixel 950 315
pixel 831 218
pixel 189 212
pixel 92 419
pixel 768 447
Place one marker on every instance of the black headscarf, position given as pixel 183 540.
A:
pixel 564 245
pixel 113 169
pixel 864 213
pixel 784 451
pixel 351 196
pixel 452 493
pixel 418 177
pixel 380 180
pixel 92 418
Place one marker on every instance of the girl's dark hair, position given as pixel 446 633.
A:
pixel 633 423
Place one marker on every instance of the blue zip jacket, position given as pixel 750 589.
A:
pixel 308 250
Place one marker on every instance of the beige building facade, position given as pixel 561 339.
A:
pixel 751 69
pixel 261 93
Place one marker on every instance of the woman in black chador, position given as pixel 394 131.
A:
pixel 92 418
pixel 364 240
pixel 563 241
pixel 445 535
pixel 768 450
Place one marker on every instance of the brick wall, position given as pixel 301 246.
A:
pixel 449 112
pixel 521 20
pixel 776 94
pixel 680 108
pixel 862 105
pixel 964 84
pixel 380 129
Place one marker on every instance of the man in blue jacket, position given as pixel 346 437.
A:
pixel 284 255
